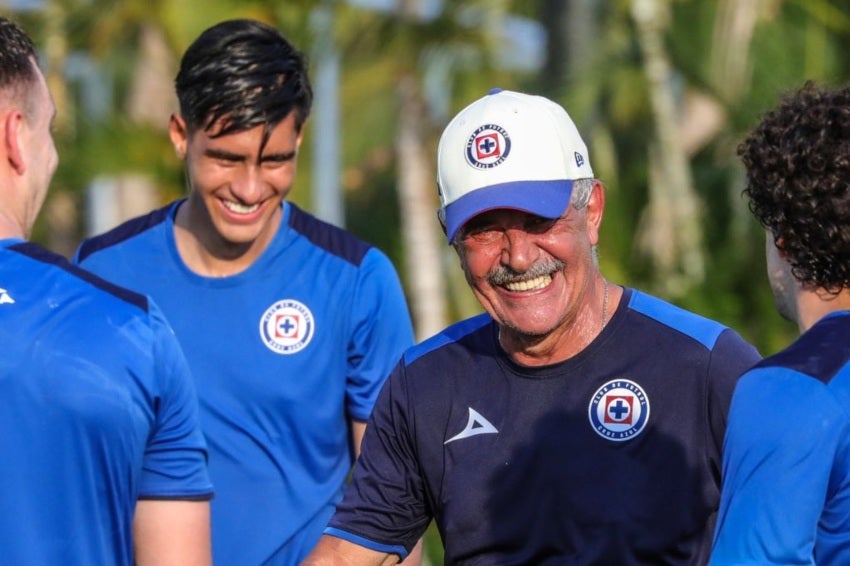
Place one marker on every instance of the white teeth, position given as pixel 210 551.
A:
pixel 240 208
pixel 531 284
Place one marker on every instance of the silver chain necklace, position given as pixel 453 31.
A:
pixel 604 306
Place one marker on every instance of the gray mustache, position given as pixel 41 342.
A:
pixel 502 275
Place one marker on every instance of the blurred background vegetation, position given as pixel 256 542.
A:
pixel 662 90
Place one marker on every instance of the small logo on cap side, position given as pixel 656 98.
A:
pixel 488 146
pixel 579 159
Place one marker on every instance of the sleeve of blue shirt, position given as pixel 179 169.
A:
pixel 175 463
pixel 381 331
pixel 779 449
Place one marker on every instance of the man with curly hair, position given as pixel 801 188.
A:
pixel 786 469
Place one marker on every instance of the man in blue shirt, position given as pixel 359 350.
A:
pixel 103 458
pixel 576 421
pixel 786 462
pixel 290 325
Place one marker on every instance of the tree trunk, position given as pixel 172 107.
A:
pixel 671 228
pixel 570 29
pixel 417 196
pixel 417 199
pixel 60 211
pixel 151 98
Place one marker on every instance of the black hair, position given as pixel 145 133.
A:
pixel 797 162
pixel 240 74
pixel 18 58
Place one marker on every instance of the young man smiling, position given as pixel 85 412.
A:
pixel 290 325
pixel 576 421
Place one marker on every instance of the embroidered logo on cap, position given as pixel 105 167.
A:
pixel 488 146
pixel 619 410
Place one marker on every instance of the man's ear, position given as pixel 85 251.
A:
pixel 299 139
pixel 595 210
pixel 441 216
pixel 179 134
pixel 780 246
pixel 13 123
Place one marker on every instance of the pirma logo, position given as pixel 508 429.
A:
pixel 6 298
pixel 619 410
pixel 287 327
pixel 475 425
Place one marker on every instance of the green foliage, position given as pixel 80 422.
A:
pixel 372 211
pixel 792 41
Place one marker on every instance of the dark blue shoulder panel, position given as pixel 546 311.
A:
pixel 703 330
pixel 451 334
pixel 122 232
pixel 43 255
pixel 331 238
pixel 820 353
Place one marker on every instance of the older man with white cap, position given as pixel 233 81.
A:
pixel 576 421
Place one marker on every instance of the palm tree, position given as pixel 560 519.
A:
pixel 672 226
pixel 392 58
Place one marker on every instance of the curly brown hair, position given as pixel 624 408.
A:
pixel 797 162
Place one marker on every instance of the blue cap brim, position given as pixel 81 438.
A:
pixel 548 199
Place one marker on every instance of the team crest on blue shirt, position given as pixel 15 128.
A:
pixel 488 146
pixel 619 410
pixel 287 327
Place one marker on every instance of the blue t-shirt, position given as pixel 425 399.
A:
pixel 786 461
pixel 284 354
pixel 97 410
pixel 609 457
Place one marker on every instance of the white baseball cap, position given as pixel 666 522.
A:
pixel 508 150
